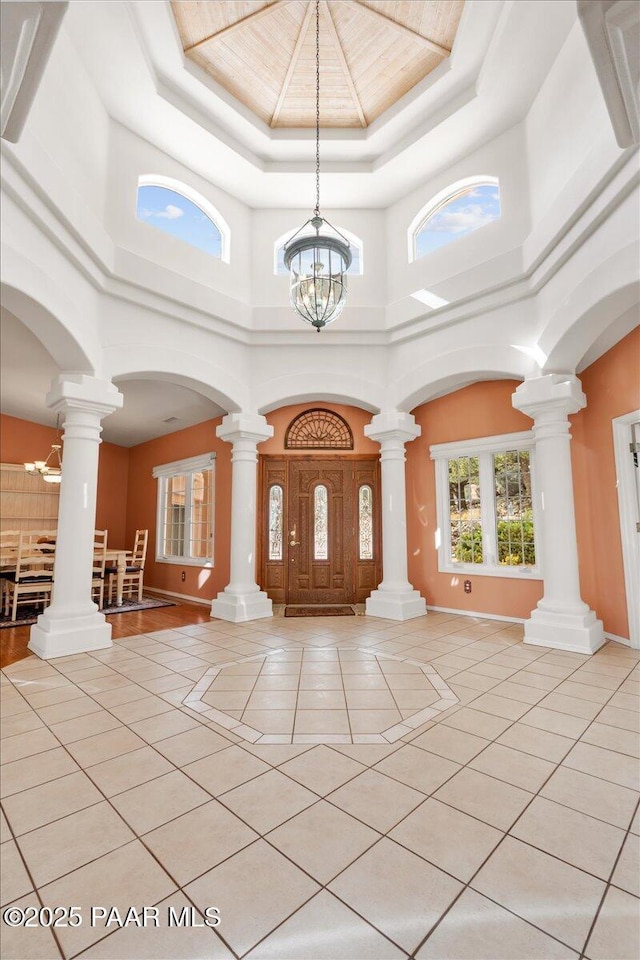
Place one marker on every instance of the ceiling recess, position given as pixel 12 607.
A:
pixel 371 53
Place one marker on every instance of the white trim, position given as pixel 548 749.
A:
pixel 187 467
pixel 628 511
pixel 467 570
pixel 440 200
pixel 211 212
pixel 474 613
pixel 612 636
pixel 186 562
pixel 201 462
pixel 179 596
pixel 465 448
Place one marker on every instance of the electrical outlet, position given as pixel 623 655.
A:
pixel 184 576
pixel 467 586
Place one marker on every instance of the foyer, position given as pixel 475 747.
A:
pixel 507 826
pixel 450 773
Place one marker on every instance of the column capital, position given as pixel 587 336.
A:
pixel 394 426
pixel 244 426
pixel 79 391
pixel 553 396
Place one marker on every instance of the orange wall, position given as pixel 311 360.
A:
pixel 355 417
pixel 22 441
pixel 480 410
pixel 200 582
pixel 127 492
pixel 612 387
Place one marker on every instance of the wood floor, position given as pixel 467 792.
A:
pixel 14 640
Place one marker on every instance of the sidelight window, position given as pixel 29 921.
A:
pixel 275 522
pixel 320 523
pixel 365 522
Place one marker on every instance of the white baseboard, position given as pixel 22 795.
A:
pixel 473 613
pixel 179 596
pixel 623 640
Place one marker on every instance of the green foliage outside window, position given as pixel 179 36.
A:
pixel 468 549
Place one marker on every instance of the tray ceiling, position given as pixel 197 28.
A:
pixel 371 53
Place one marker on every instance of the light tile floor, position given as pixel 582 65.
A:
pixel 501 824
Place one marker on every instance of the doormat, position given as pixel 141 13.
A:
pixel 324 611
pixel 29 614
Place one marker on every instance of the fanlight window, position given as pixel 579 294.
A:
pixel 320 523
pixel 318 430
pixel 355 246
pixel 454 213
pixel 182 213
pixel 275 522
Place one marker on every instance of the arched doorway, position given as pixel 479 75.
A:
pixel 319 539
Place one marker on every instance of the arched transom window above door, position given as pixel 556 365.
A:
pixel 318 430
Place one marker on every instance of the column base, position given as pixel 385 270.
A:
pixel 579 633
pixel 51 638
pixel 396 606
pixel 239 608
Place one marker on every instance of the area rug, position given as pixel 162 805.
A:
pixel 28 614
pixel 319 611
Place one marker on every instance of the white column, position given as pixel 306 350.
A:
pixel 73 623
pixel 242 598
pixel 395 598
pixel 561 620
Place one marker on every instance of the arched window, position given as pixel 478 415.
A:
pixel 181 212
pixel 463 207
pixel 355 245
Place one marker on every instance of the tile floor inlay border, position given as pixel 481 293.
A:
pixel 446 699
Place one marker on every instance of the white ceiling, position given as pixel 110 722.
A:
pixel 26 372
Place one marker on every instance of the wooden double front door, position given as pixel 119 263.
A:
pixel 320 529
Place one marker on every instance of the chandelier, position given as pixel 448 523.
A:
pixel 317 263
pixel 52 473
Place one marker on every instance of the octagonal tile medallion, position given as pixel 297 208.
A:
pixel 327 695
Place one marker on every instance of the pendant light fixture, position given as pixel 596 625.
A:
pixel 317 263
pixel 52 473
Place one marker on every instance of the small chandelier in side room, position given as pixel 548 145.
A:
pixel 51 468
pixel 317 263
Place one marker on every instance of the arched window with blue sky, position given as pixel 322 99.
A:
pixel 458 210
pixel 355 245
pixel 178 210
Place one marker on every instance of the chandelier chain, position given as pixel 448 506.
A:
pixel 317 209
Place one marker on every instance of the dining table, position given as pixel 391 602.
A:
pixel 118 559
pixel 114 557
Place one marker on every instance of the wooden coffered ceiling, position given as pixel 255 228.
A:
pixel 371 53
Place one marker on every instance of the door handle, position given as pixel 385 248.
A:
pixel 294 543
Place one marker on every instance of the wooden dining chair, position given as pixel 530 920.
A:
pixel 9 540
pixel 134 572
pixel 32 579
pixel 99 566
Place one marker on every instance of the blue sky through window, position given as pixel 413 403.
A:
pixel 475 208
pixel 173 213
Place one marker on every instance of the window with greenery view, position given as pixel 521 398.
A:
pixel 486 506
